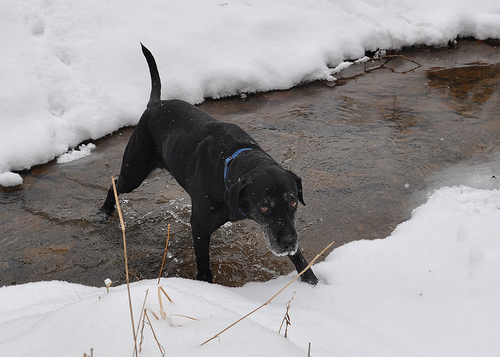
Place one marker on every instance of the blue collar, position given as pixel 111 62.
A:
pixel 228 161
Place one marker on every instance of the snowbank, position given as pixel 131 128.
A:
pixel 73 71
pixel 430 289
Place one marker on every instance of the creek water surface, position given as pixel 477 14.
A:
pixel 363 148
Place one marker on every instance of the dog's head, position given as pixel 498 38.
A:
pixel 269 196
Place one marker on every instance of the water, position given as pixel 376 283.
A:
pixel 364 148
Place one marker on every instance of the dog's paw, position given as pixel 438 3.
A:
pixel 205 276
pixel 309 277
pixel 103 214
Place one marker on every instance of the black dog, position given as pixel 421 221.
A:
pixel 227 175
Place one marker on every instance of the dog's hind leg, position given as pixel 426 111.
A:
pixel 139 159
pixel 109 204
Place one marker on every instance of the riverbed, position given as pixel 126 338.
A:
pixel 363 145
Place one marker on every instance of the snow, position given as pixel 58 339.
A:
pixel 75 154
pixel 9 179
pixel 73 71
pixel 430 289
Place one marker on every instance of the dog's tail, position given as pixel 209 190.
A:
pixel 154 98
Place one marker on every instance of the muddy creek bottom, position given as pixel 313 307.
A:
pixel 362 147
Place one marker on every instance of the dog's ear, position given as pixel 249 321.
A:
pixel 233 197
pixel 298 181
pixel 299 190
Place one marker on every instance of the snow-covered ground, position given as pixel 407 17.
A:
pixel 73 70
pixel 430 289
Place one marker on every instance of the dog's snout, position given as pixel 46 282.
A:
pixel 288 242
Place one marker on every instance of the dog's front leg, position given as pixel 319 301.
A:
pixel 201 249
pixel 201 243
pixel 300 264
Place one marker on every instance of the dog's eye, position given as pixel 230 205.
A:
pixel 264 208
pixel 293 203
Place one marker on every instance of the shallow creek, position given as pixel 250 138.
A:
pixel 363 148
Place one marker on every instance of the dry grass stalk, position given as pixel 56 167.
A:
pixel 273 297
pixel 187 317
pixel 162 312
pixel 165 253
pixel 160 288
pixel 162 350
pixel 126 262
pixel 141 317
pixel 156 316
pixel 286 319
